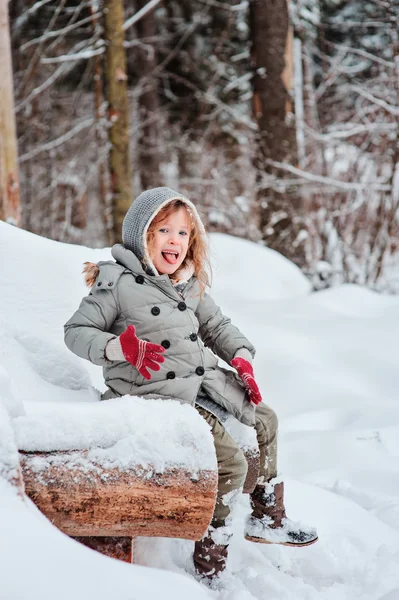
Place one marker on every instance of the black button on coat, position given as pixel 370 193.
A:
pixel 108 311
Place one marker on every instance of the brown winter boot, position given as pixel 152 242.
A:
pixel 268 523
pixel 209 558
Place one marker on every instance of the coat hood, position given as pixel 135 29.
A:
pixel 140 214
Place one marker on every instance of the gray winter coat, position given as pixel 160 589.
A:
pixel 192 330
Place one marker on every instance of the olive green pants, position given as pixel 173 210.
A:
pixel 232 465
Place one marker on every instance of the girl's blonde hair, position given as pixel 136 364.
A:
pixel 197 252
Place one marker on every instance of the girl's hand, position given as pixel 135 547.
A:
pixel 246 373
pixel 142 355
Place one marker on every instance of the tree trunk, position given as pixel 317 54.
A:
pixel 103 203
pixel 271 35
pixel 149 150
pixel 9 179
pixel 118 113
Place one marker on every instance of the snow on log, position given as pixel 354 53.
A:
pixel 122 467
pixel 9 462
pixel 100 501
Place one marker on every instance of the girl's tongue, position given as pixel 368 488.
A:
pixel 170 258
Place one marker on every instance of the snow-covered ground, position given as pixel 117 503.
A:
pixel 328 364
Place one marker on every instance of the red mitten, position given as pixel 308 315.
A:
pixel 142 355
pixel 246 373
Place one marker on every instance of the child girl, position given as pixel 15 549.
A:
pixel 157 333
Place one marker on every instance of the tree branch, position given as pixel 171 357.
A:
pixel 140 14
pixel 58 141
pixel 343 185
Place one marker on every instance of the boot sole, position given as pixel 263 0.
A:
pixel 290 544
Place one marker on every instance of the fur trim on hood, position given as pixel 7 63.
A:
pixel 90 272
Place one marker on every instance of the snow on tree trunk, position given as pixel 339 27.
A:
pixel 299 105
pixel 9 179
pixel 118 112
pixel 9 461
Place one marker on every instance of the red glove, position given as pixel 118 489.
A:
pixel 139 353
pixel 246 373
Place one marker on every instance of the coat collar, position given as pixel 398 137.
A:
pixel 128 259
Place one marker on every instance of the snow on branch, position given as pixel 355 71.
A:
pixel 140 14
pixel 237 81
pixel 212 99
pixel 225 6
pixel 365 54
pixel 348 24
pixel 41 88
pixel 84 55
pixel 393 110
pixel 62 70
pixel 351 131
pixel 343 185
pixel 20 21
pixel 58 141
pixel 52 34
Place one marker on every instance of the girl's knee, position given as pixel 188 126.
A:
pixel 266 420
pixel 273 421
pixel 234 471
pixel 240 468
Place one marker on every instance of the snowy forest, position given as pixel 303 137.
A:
pixel 279 120
pixel 259 459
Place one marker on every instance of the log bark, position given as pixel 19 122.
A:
pixel 109 502
pixel 118 113
pixel 9 177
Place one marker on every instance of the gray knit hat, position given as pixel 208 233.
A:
pixel 140 214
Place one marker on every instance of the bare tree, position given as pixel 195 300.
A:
pixel 149 140
pixel 352 141
pixel 9 179
pixel 118 112
pixel 278 201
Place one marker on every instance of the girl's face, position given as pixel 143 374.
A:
pixel 170 242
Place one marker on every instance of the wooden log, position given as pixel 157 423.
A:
pixel 109 502
pixel 121 548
